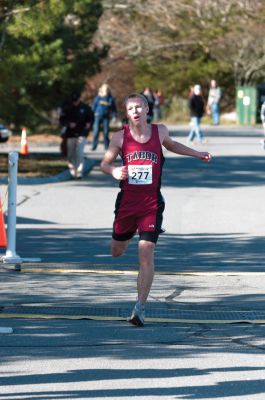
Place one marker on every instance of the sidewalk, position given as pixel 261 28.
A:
pixel 210 269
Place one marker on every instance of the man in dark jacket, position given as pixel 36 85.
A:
pixel 196 106
pixel 76 119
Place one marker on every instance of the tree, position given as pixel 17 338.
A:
pixel 181 42
pixel 46 51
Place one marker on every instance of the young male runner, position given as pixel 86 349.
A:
pixel 139 205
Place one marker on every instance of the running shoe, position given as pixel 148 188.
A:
pixel 137 317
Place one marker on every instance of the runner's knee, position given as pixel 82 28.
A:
pixel 146 252
pixel 116 252
pixel 118 248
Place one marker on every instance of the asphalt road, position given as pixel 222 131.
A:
pixel 209 263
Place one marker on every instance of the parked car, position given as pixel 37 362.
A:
pixel 5 133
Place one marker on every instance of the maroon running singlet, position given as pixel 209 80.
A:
pixel 139 205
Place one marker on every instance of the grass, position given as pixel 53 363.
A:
pixel 37 165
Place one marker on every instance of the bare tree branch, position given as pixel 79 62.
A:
pixel 163 28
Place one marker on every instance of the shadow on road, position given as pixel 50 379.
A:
pixel 219 390
pixel 182 172
pixel 197 252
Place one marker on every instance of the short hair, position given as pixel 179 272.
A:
pixel 75 95
pixel 136 96
pixel 197 87
pixel 104 88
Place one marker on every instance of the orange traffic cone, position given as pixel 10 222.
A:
pixel 24 143
pixel 3 242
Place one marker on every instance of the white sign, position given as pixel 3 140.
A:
pixel 140 174
pixel 246 100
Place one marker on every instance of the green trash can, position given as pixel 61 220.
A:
pixel 246 105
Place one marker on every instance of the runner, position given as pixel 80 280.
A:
pixel 139 205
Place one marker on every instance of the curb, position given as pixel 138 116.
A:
pixel 61 177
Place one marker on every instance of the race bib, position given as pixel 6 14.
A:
pixel 140 174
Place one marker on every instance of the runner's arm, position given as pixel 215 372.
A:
pixel 179 148
pixel 119 173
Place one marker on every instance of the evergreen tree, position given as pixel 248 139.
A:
pixel 46 52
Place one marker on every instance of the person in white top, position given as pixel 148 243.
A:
pixel 214 97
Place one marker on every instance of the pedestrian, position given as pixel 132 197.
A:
pixel 213 107
pixel 159 101
pixel 148 93
pixel 76 119
pixel 190 91
pixel 262 117
pixel 162 102
pixel 196 107
pixel 104 108
pixel 139 205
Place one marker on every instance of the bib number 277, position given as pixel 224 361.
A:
pixel 140 174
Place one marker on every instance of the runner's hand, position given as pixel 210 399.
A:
pixel 205 156
pixel 120 173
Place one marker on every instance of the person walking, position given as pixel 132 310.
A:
pixel 76 119
pixel 262 117
pixel 213 106
pixel 148 94
pixel 139 205
pixel 157 110
pixel 196 107
pixel 104 107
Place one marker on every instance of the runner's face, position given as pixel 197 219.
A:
pixel 136 111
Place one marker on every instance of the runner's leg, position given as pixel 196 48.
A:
pixel 146 269
pixel 118 247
